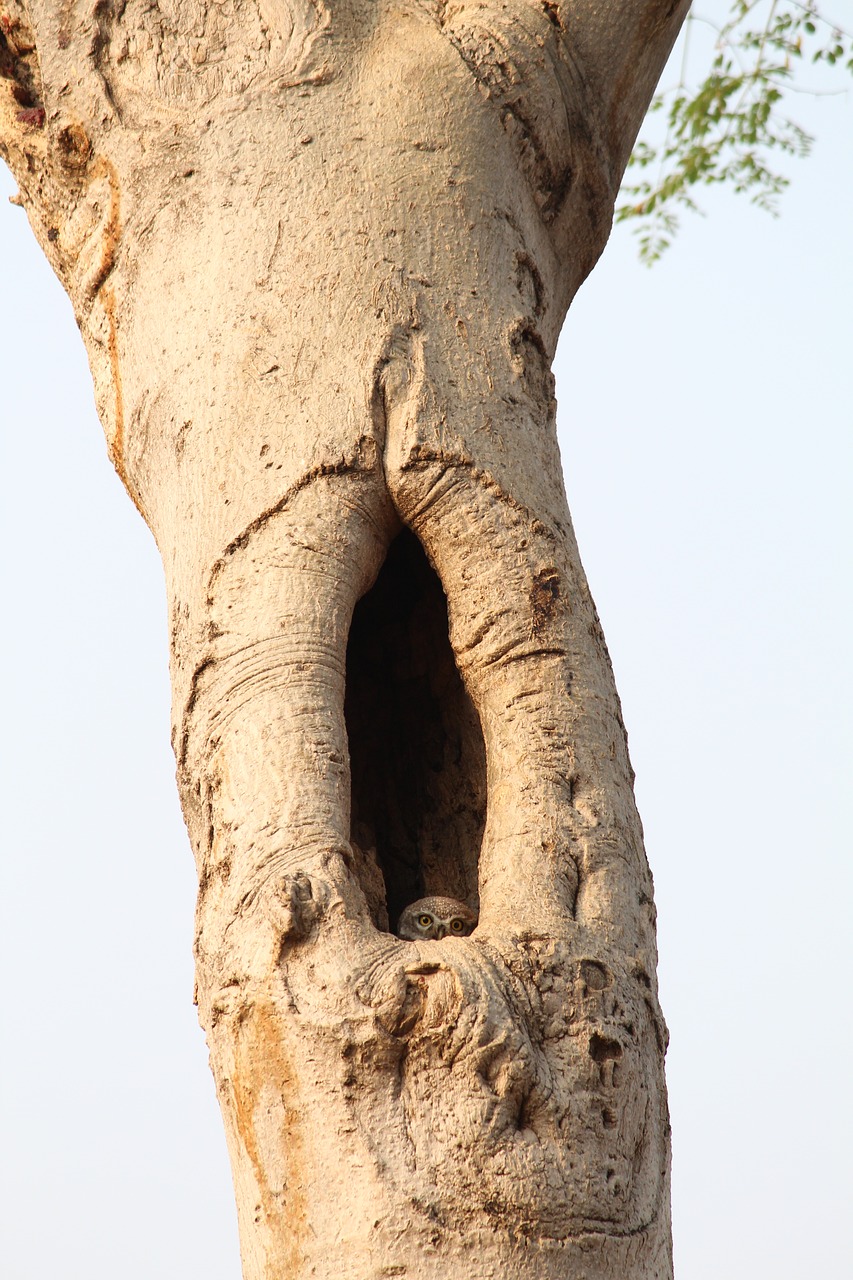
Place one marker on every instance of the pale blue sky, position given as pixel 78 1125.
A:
pixel 705 414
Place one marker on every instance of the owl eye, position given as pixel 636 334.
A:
pixel 457 925
pixel 425 921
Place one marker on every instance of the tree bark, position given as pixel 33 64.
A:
pixel 320 254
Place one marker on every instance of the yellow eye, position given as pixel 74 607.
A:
pixel 457 925
pixel 425 921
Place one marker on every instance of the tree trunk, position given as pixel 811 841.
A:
pixel 320 254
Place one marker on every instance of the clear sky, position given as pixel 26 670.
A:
pixel 705 415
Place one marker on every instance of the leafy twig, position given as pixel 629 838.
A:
pixel 727 127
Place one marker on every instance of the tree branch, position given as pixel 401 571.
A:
pixel 622 46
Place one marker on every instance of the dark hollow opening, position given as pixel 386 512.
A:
pixel 417 754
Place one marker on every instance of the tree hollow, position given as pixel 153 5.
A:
pixel 417 755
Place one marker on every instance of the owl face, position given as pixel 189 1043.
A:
pixel 436 918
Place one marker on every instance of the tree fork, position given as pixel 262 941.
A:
pixel 320 254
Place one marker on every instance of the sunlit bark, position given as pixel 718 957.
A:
pixel 320 254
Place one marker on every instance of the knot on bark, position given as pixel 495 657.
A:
pixel 295 904
pixel 454 1015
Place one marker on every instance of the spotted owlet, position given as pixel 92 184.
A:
pixel 436 918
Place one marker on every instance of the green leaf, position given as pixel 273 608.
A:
pixel 724 127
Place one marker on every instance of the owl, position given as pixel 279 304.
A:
pixel 436 918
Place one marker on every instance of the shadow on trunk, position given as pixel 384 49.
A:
pixel 417 754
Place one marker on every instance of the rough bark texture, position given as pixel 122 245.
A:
pixel 320 254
